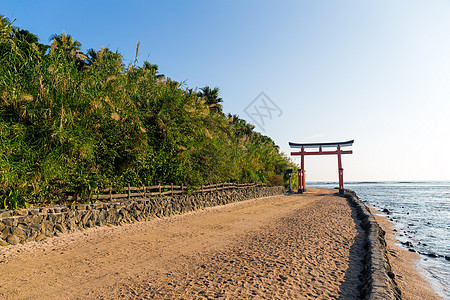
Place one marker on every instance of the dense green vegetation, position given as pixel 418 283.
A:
pixel 74 122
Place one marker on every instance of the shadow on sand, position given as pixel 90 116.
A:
pixel 351 287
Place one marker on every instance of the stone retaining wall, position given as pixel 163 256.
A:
pixel 379 281
pixel 36 224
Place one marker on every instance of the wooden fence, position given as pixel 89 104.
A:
pixel 161 190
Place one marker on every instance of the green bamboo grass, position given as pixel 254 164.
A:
pixel 76 123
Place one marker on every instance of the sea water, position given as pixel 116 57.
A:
pixel 421 215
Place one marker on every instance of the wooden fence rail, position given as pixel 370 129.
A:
pixel 161 190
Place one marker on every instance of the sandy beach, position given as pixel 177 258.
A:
pixel 283 247
pixel 403 262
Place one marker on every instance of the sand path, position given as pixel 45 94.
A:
pixel 286 247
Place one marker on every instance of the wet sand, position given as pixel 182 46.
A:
pixel 403 263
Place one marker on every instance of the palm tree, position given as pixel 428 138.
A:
pixel 242 128
pixel 152 68
pixel 92 56
pixel 211 97
pixel 20 44
pixel 6 29
pixel 66 44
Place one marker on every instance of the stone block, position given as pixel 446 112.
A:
pixel 101 218
pixel 73 225
pixel 23 226
pixel 60 228
pixel 49 229
pixel 37 227
pixel 22 219
pixel 77 217
pixel 20 233
pixel 82 207
pixel 29 219
pixel 13 240
pixel 5 214
pixel 5 232
pixel 50 217
pixel 99 206
pixel 31 236
pixel 21 212
pixel 58 218
pixel 86 217
pixel 99 222
pixel 40 237
pixel 10 221
pixel 95 214
pixel 37 219
pixel 33 211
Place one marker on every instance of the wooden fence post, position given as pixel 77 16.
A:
pixel 143 188
pixel 159 188
pixel 202 189
pixel 171 189
pixel 182 189
pixel 110 194
pixel 128 197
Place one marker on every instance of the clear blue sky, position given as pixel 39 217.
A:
pixel 374 71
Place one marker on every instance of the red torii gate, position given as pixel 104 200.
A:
pixel 302 153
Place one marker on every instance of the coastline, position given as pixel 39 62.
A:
pixel 404 264
pixel 289 246
pixel 417 211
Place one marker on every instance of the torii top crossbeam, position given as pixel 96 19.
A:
pixel 320 145
pixel 303 153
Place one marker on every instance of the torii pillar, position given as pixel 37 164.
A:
pixel 303 152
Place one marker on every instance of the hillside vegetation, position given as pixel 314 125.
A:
pixel 74 122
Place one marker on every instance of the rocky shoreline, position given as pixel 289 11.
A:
pixel 410 246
